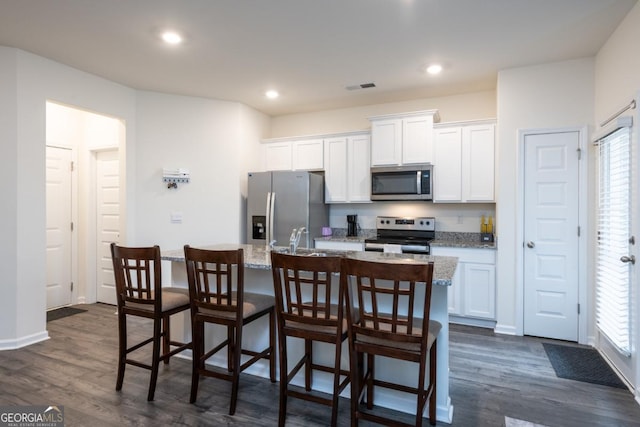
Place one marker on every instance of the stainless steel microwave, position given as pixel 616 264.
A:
pixel 414 182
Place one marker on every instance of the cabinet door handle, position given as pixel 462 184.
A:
pixel 531 245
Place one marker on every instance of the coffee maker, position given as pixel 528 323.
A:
pixel 352 225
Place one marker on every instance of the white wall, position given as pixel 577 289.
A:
pixel 31 81
pixel 213 140
pixel 469 106
pixel 9 188
pixel 617 67
pixel 556 95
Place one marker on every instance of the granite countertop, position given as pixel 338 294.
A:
pixel 258 257
pixel 443 239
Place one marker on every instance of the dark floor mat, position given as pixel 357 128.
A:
pixel 581 364
pixel 59 313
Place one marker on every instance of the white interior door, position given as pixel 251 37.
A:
pixel 107 221
pixel 551 240
pixel 58 171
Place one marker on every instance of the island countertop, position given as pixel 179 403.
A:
pixel 258 257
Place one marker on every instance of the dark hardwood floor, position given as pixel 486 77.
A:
pixel 491 377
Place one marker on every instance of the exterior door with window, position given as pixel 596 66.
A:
pixel 614 250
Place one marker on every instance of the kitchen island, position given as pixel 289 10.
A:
pixel 258 279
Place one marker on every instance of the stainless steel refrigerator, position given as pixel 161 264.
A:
pixel 278 202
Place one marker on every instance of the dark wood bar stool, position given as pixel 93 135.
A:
pixel 393 302
pixel 303 293
pixel 140 293
pixel 216 287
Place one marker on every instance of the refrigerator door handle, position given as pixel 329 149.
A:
pixel 267 217
pixel 272 207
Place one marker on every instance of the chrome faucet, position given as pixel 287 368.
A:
pixel 294 239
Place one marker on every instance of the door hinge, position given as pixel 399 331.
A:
pixel 72 166
pixel 71 286
pixel 72 226
pixel 579 151
pixel 578 308
pixel 578 231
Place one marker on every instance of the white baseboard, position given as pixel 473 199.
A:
pixel 505 329
pixel 14 344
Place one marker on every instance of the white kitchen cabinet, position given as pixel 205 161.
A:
pixel 402 139
pixel 464 165
pixel 347 171
pixel 339 245
pixel 278 156
pixel 472 295
pixel 294 154
pixel 308 154
pixel 479 290
pixel 447 167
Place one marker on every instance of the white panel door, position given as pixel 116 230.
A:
pixel 551 235
pixel 107 221
pixel 58 164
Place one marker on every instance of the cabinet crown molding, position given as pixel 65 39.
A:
pixel 466 123
pixel 434 113
pixel 317 136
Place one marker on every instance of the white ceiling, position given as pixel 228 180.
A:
pixel 309 50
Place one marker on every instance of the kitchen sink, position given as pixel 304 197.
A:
pixel 311 252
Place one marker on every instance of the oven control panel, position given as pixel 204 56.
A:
pixel 405 223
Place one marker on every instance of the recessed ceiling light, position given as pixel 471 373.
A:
pixel 272 94
pixel 171 37
pixel 434 69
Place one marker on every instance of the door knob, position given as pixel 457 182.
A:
pixel 530 244
pixel 630 258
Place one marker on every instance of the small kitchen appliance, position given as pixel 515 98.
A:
pixel 401 234
pixel 352 225
pixel 414 182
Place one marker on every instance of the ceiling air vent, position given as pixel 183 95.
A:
pixel 361 86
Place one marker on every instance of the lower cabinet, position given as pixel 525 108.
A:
pixel 473 292
pixel 339 245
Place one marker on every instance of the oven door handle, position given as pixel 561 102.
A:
pixel 415 249
pixel 376 247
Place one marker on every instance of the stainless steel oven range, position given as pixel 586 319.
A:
pixel 401 234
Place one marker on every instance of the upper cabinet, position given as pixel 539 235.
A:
pixel 294 154
pixel 464 162
pixel 347 173
pixel 402 139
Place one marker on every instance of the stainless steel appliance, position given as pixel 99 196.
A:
pixel 352 225
pixel 414 182
pixel 278 202
pixel 405 235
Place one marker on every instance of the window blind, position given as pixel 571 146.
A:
pixel 613 277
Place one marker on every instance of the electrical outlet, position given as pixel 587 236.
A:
pixel 176 217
